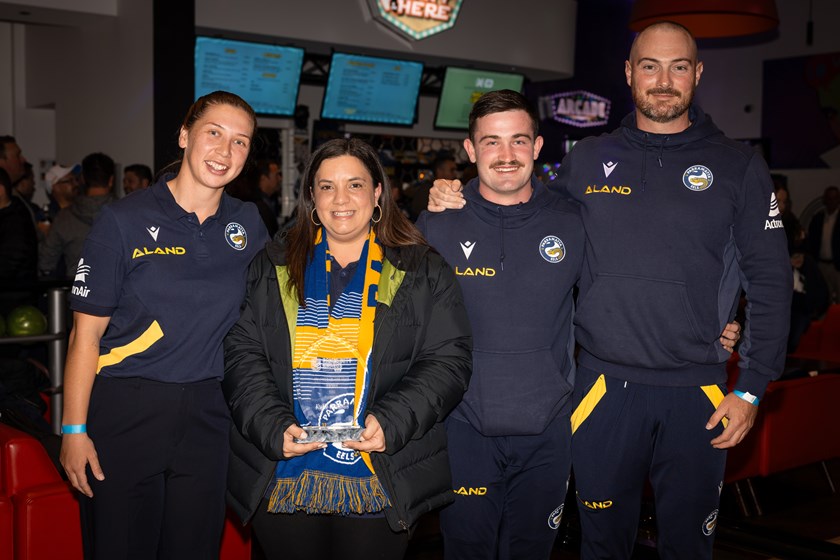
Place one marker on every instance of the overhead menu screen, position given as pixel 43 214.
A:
pixel 372 89
pixel 266 76
pixel 462 87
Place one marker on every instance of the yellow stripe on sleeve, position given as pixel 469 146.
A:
pixel 136 346
pixel 589 402
pixel 715 395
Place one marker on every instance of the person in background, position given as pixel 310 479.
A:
pixel 71 226
pixel 24 189
pixel 824 241
pixel 18 256
pixel 63 184
pixel 247 187
pixel 11 158
pixel 269 184
pixel 18 241
pixel 160 282
pixel 136 176
pixel 443 167
pixel 351 322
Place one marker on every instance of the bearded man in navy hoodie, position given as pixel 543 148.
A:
pixel 679 219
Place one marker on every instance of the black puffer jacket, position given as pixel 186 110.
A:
pixel 421 365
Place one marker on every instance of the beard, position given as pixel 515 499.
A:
pixel 661 112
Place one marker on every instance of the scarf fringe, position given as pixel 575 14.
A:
pixel 320 492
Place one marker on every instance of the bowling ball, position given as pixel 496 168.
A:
pixel 26 320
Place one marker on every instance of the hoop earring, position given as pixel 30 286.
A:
pixel 312 218
pixel 380 214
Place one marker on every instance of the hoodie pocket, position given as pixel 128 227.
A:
pixel 642 322
pixel 517 392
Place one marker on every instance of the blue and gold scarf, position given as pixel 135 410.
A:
pixel 331 380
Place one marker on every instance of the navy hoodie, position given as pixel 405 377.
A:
pixel 517 266
pixel 676 226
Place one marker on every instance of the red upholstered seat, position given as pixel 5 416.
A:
pixel 46 512
pixel 792 428
pixel 822 339
pixel 39 513
pixel 6 528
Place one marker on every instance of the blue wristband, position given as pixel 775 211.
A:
pixel 74 429
pixel 750 398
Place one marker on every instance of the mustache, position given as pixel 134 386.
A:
pixel 501 163
pixel 664 91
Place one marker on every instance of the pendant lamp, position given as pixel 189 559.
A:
pixel 709 18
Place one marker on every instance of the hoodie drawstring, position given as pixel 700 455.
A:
pixel 644 157
pixel 661 148
pixel 644 161
pixel 502 239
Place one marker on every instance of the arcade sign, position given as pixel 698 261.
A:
pixel 580 109
pixel 416 19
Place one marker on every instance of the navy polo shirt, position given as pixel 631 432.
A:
pixel 171 286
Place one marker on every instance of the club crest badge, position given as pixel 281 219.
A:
pixel 552 249
pixel 698 178
pixel 236 236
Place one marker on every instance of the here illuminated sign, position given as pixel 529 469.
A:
pixel 416 19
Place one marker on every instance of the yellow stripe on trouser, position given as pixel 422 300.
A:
pixel 716 396
pixel 139 344
pixel 589 402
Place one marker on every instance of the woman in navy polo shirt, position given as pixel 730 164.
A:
pixel 159 284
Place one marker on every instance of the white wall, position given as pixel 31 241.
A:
pixel 81 88
pixel 7 83
pixel 733 79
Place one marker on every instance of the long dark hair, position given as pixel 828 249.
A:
pixel 392 230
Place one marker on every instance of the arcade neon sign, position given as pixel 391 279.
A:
pixel 580 108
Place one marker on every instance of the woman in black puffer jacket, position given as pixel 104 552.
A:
pixel 417 369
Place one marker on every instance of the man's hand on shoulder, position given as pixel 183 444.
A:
pixel 445 194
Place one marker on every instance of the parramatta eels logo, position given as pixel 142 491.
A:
pixel 235 236
pixel 552 249
pixel 710 523
pixel 555 517
pixel 698 178
pixel 339 411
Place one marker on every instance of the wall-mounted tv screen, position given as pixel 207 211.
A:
pixel 462 87
pixel 371 89
pixel 266 76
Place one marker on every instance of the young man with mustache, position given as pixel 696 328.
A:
pixel 517 249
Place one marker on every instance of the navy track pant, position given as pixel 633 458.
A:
pixel 509 492
pixel 164 450
pixel 626 433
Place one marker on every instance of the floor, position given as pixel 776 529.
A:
pixel 800 517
